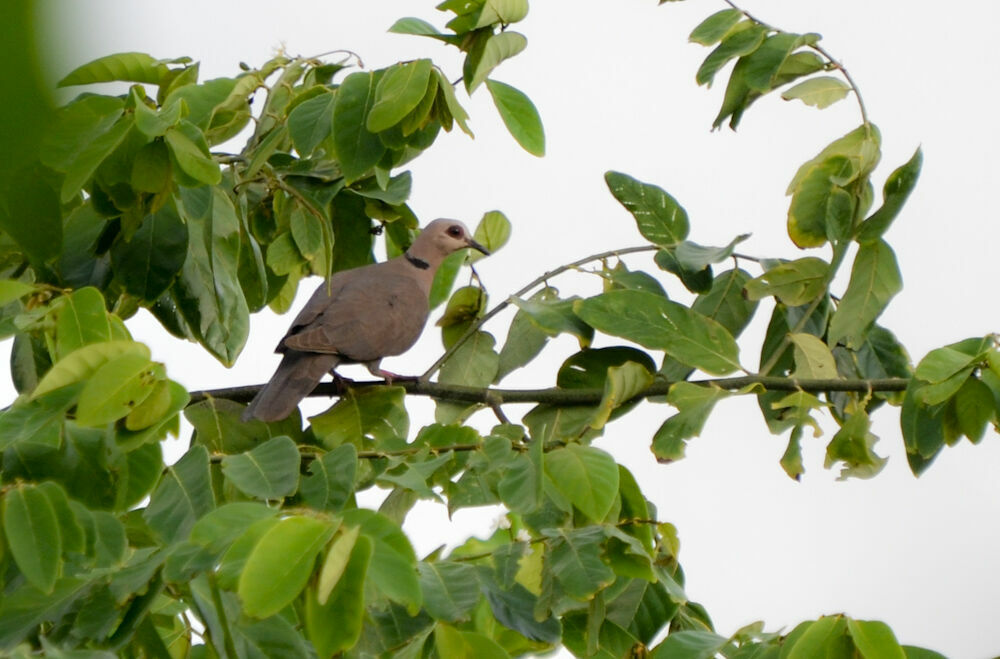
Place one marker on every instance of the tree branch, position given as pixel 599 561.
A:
pixel 566 397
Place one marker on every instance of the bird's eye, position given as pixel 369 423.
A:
pixel 455 232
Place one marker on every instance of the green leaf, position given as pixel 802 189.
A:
pixel 525 339
pixel 923 430
pixel 415 26
pixel 447 104
pixel 693 256
pixel 330 482
pixel 269 471
pixel 555 316
pixel 311 122
pixel 126 67
pixel 190 153
pixel 217 529
pixel 513 609
pixel 372 413
pixel 861 147
pixel 875 280
pixel 794 283
pixel 660 218
pixel 503 12
pixel 874 639
pixel 895 192
pixel 115 388
pixel 82 320
pixel 451 642
pixel 346 605
pixel 492 232
pixel 152 170
pixel 393 568
pixel 280 564
pixel 400 91
pixel 149 121
pixel 90 157
pixel 942 363
pixel 586 476
pixel 473 364
pixel 519 116
pixel 11 289
pixel 694 404
pixel 740 40
pixel 821 209
pixel 487 53
pixel 690 644
pixel 820 92
pixel 763 64
pixel 974 407
pixel 38 421
pixel 207 291
pixel 697 280
pixel 183 495
pixel 622 384
pixel 853 445
pixel 521 487
pixel 218 426
pixel 337 557
pixel 450 590
pixel 813 358
pixel 31 528
pixel 821 638
pixel 726 303
pixel 575 559
pixel 714 28
pixel 660 324
pixel 147 264
pixel 75 126
pixel 358 149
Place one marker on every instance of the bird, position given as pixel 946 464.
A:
pixel 359 315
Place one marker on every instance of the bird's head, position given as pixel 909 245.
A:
pixel 441 238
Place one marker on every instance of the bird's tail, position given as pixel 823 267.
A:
pixel 297 375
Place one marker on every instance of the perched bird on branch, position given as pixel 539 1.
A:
pixel 360 316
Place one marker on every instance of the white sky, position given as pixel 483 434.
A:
pixel 614 83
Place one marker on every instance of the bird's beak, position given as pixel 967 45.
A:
pixel 476 246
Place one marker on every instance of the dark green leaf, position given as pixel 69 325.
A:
pixel 369 414
pixel 346 605
pixel 311 122
pixel 450 589
pixel 269 471
pixel 794 283
pixel 694 403
pixel 896 191
pixel 487 53
pixel 660 218
pixel 740 40
pixel 400 90
pixel 714 28
pixel 330 482
pixel 357 148
pixel 575 559
pixel 190 153
pixel 586 476
pixel 81 320
pixel 875 280
pixel 147 264
pixel 31 528
pixel 183 495
pixel 30 213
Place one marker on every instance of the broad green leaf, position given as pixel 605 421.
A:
pixel 451 642
pixel 81 320
pixel 450 589
pixel 232 562
pixel 70 531
pixel 519 116
pixel 913 652
pixel 821 638
pixel 400 90
pixel 311 122
pixel 152 170
pixel 660 218
pixel 820 92
pixel 337 557
pixel 513 609
pixel 218 426
pixel 190 153
pixel 492 232
pixel 448 102
pixel 694 404
pixel 76 125
pixel 555 316
pixel 821 209
pixel 473 364
pixel 521 487
pixel 714 28
pixel 923 430
pixel 183 495
pixel 525 339
pixel 126 67
pixel 358 149
pixel 116 387
pixel 942 363
pixel 487 53
pixel 874 639
pixel 895 192
pixel 696 280
pixel 147 264
pixel 105 536
pixel 269 471
pixel 37 421
pixel 31 529
pixel 90 157
pixel 503 12
pixel 695 257
pixel 763 64
pixel 586 476
pixel 217 529
pixel 726 302
pixel 621 277
pixel 794 283
pixel 813 358
pixel 690 644
pixel 26 608
pixel 861 147
pixel 875 280
pixel 369 414
pixel 11 289
pixel 149 121
pixel 415 26
pixel 394 194
pixel 330 482
pixel 854 446
pixel 575 559
pixel 207 291
pixel 622 384
pixel 280 564
pixel 974 407
pixel 346 606
pixel 741 39
pixel 393 568
pixel 660 324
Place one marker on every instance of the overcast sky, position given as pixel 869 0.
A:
pixel 614 82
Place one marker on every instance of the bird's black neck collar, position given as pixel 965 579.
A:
pixel 417 263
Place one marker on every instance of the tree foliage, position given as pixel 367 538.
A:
pixel 252 543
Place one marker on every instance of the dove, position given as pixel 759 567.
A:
pixel 359 316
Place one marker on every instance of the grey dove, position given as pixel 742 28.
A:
pixel 360 316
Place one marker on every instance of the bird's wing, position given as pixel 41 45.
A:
pixel 376 315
